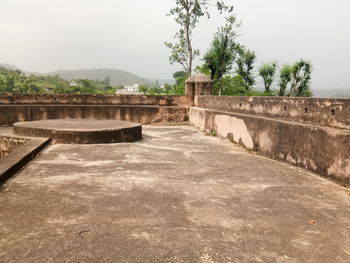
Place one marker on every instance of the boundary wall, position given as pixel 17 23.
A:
pixel 91 99
pixel 319 111
pixel 307 132
pixel 136 108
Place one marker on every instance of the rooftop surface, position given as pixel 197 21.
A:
pixel 81 130
pixel 175 196
pixel 77 124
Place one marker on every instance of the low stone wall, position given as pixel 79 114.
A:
pixel 328 112
pixel 321 149
pixel 9 144
pixel 90 99
pixel 136 113
pixel 137 108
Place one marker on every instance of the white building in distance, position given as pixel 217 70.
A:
pixel 129 90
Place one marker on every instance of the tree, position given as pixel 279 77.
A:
pixel 268 72
pixel 230 86
pixel 245 66
pixel 143 88
pixel 187 14
pixel 300 86
pixel 107 83
pixel 285 79
pixel 179 74
pixel 295 80
pixel 14 81
pixel 223 50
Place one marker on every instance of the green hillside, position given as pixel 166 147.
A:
pixel 117 77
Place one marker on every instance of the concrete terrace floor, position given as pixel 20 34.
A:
pixel 176 196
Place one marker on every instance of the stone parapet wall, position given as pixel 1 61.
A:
pixel 144 114
pixel 328 112
pixel 90 99
pixel 320 149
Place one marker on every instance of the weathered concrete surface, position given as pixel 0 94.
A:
pixel 321 149
pixel 81 131
pixel 20 156
pixel 176 196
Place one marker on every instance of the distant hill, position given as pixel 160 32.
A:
pixel 117 77
pixel 3 65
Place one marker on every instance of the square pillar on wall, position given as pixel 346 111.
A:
pixel 198 84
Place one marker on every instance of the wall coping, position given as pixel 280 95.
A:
pixel 319 111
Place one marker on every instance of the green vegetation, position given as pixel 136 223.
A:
pixel 187 14
pixel 222 53
pixel 245 66
pixel 230 64
pixel 15 81
pixel 117 77
pixel 268 73
pixel 177 89
pixel 225 53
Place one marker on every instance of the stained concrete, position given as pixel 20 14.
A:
pixel 176 196
pixel 81 131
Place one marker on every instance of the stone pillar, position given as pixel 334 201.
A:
pixel 198 84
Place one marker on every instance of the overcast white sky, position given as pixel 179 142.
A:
pixel 47 35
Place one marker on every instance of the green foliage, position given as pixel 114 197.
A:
pixel 295 80
pixel 203 69
pixel 268 73
pixel 230 86
pixel 179 87
pixel 179 74
pixel 300 86
pixel 116 77
pixel 176 89
pixel 223 51
pixel 187 14
pixel 245 66
pixel 285 78
pixel 14 81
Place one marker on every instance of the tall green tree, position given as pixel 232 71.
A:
pixel 223 50
pixel 245 66
pixel 187 14
pixel 268 72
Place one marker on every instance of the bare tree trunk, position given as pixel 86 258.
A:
pixel 189 48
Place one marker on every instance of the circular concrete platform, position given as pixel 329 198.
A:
pixel 81 131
